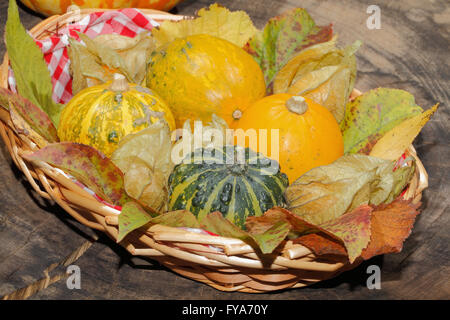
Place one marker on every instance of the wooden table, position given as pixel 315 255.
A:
pixel 409 52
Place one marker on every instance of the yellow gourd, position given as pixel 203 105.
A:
pixel 101 115
pixel 200 75
pixel 308 134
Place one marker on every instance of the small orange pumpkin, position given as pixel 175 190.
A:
pixel 308 134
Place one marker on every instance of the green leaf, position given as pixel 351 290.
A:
pixel 266 240
pixel 132 217
pixel 216 223
pixel 88 166
pixel 269 230
pixel 372 114
pixel 282 38
pixel 30 70
pixel 36 119
pixel 178 218
pixel 325 193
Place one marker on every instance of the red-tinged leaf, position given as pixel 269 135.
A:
pixel 282 38
pixel 291 222
pixel 371 115
pixel 216 223
pixel 353 229
pixel 33 116
pixel 5 95
pixel 321 243
pixel 132 217
pixel 267 239
pixel 88 166
pixel 178 218
pixel 270 229
pixel 272 237
pixel 391 224
pixel 260 224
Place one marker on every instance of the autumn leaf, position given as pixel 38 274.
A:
pixel 282 38
pixel 178 218
pixel 353 229
pixel 216 223
pixel 325 193
pixel 268 230
pixel 132 217
pixel 348 235
pixel 28 118
pixel 394 142
pixel 387 226
pixel 88 166
pixel 236 27
pixel 31 73
pixel 266 240
pixel 390 225
pixel 5 95
pixel 322 244
pixel 371 115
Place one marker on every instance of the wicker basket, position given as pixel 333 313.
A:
pixel 236 268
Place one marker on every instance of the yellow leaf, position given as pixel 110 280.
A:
pixel 394 143
pixel 236 27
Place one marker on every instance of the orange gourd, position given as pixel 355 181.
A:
pixel 308 134
pixel 202 75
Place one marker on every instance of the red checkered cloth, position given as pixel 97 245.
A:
pixel 126 22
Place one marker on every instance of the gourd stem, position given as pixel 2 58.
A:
pixel 297 104
pixel 237 114
pixel 119 83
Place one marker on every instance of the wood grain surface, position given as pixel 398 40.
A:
pixel 409 52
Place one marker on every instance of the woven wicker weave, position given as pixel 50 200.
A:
pixel 237 268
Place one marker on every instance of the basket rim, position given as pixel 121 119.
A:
pixel 183 251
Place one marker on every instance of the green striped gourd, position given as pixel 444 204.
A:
pixel 207 181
